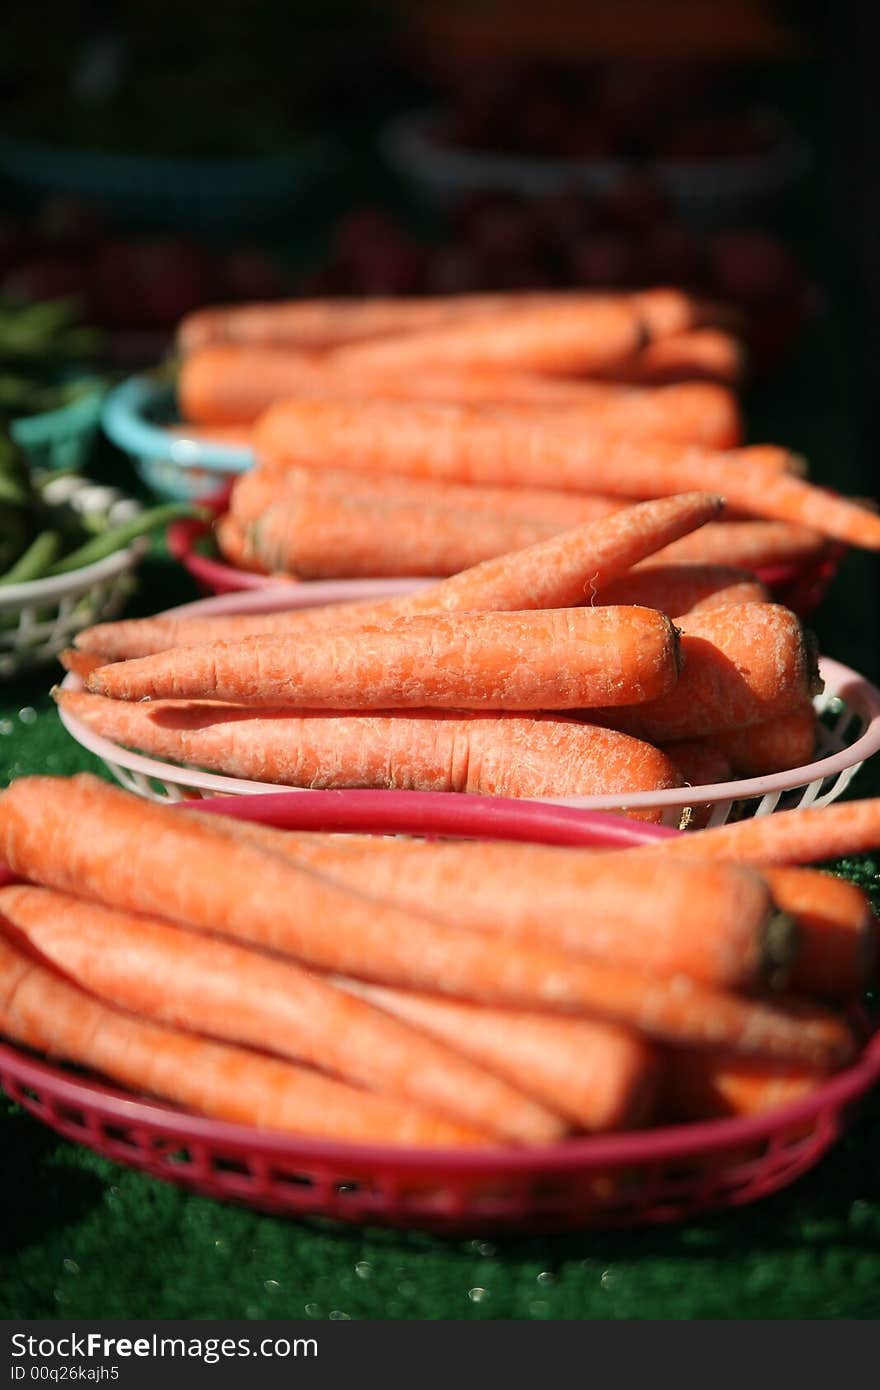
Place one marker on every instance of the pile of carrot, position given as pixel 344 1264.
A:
pixel 577 666
pixel 435 994
pixel 420 436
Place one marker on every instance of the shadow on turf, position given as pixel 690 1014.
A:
pixel 29 1206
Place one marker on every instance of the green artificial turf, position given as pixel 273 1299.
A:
pixel 81 1237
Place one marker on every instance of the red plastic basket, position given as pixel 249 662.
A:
pixel 800 587
pixel 643 1177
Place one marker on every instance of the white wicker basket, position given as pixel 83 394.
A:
pixel 39 619
pixel 850 733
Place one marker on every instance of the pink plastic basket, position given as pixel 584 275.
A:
pixel 850 735
pixel 800 587
pixel 643 1177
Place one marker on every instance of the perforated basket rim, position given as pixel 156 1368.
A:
pixel 59 586
pixel 407 142
pixel 46 426
pixel 124 421
pixel 669 1142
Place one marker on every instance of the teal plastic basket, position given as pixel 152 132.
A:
pixel 62 438
pixel 211 196
pixel 134 418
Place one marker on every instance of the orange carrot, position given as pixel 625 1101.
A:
pixel 226 386
pixel 317 323
pixel 757 751
pixel 700 761
pixel 692 413
pixel 222 384
pixel 320 537
pixel 202 985
pixel 711 1085
pixel 741 665
pixel 233 545
pixel 64 832
pixel 775 746
pixel 260 488
pixel 41 1010
pixel 323 323
pixel 599 1076
pixel 567 339
pixel 838 931
pixel 666 312
pixel 749 545
pixel 557 658
pixel 435 750
pixel 557 573
pixel 698 354
pixel 566 568
pixel 475 444
pixel 80 663
pixel 786 837
pixel 720 929
pixel 679 589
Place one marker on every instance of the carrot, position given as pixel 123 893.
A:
pixel 262 487
pixel 756 751
pixel 327 322
pixel 132 637
pixel 233 545
pixel 838 931
pixel 775 746
pixel 720 929
pixel 64 832
pixel 741 665
pixel 679 589
pixel 80 663
pixel 42 1011
pixel 473 444
pixel 710 1085
pixel 502 755
pixel 223 383
pixel 202 985
pixel 786 837
pixel 700 761
pixel 226 386
pixel 557 573
pixel 558 658
pixel 323 323
pixel 691 413
pixel 566 568
pixel 666 311
pixel 567 339
pixel 317 323
pixel 748 545
pixel 320 537
pixel 698 354
pixel 599 1076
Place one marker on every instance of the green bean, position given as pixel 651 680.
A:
pixel 33 564
pixel 118 537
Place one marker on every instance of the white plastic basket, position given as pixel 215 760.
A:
pixel 850 733
pixel 39 619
